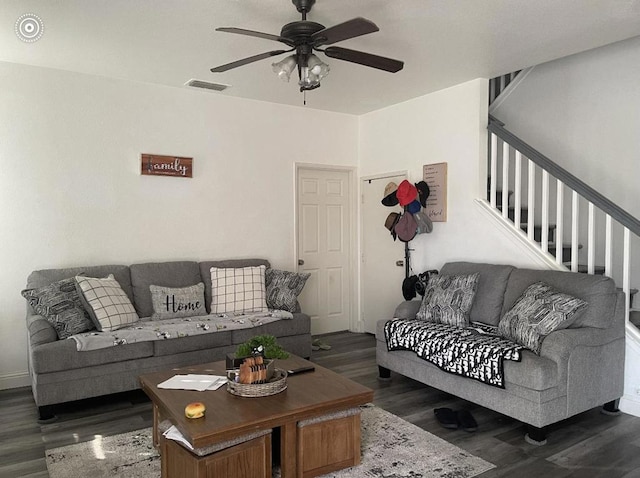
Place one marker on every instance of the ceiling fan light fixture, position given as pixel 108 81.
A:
pixel 317 67
pixel 284 67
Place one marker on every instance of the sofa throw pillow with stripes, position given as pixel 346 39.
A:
pixel 105 301
pixel 238 290
pixel 283 289
pixel 448 299
pixel 60 304
pixel 539 311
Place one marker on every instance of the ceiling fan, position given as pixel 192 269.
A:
pixel 304 37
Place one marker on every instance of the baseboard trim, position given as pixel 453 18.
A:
pixel 630 405
pixel 14 380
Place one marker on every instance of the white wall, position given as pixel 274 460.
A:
pixel 583 111
pixel 71 192
pixel 446 126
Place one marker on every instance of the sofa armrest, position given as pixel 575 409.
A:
pixel 40 330
pixel 558 345
pixel 407 309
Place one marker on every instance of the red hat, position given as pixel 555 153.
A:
pixel 406 193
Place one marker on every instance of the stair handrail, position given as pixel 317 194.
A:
pixel 609 207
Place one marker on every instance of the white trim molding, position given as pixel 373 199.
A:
pixel 14 380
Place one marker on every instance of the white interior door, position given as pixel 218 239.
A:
pixel 382 268
pixel 324 239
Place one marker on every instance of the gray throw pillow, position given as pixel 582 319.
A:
pixel 171 303
pixel 539 311
pixel 283 289
pixel 60 304
pixel 448 299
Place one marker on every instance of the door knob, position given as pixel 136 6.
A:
pixel 400 263
pixel 300 262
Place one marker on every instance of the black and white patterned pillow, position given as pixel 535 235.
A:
pixel 172 303
pixel 283 289
pixel 539 311
pixel 237 290
pixel 60 304
pixel 448 299
pixel 107 304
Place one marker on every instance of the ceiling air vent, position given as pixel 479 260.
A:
pixel 206 85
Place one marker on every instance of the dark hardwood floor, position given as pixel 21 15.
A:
pixel 588 445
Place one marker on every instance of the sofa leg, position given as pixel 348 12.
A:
pixel 611 408
pixel 384 374
pixel 536 436
pixel 46 414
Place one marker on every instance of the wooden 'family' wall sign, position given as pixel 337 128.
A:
pixel 155 165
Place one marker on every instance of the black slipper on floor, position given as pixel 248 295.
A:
pixel 466 421
pixel 446 417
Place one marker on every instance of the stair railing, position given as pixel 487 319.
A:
pixel 511 161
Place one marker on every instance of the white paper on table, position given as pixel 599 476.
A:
pixel 174 434
pixel 194 382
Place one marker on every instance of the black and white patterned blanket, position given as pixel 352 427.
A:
pixel 475 351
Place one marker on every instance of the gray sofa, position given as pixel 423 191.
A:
pixel 578 368
pixel 59 373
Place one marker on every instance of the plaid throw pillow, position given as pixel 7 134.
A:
pixel 238 290
pixel 106 302
pixel 539 311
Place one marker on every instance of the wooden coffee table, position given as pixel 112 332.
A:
pixel 308 395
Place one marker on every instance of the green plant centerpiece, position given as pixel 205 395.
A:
pixel 262 345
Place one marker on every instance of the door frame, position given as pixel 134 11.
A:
pixel 371 177
pixel 354 304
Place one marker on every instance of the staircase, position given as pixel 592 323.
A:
pixel 546 205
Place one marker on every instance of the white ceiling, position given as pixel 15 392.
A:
pixel 442 42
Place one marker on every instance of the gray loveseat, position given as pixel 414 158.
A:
pixel 59 373
pixel 579 368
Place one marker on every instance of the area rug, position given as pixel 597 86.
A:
pixel 391 447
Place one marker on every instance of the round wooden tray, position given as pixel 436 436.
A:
pixel 276 384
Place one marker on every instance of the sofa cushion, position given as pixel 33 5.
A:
pixel 205 272
pixel 238 290
pixel 164 274
pixel 191 343
pixel 283 289
pixel 60 304
pixel 448 299
pixel 171 303
pixel 598 291
pixel 47 276
pixel 106 302
pixel 62 355
pixel 492 283
pixel 538 312
pixel 300 324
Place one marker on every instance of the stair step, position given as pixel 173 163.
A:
pixel 566 251
pixel 584 268
pixel 634 317
pixel 537 231
pixel 499 197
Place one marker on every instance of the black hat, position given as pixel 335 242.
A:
pixel 409 287
pixel 423 192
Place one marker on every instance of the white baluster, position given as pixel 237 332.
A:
pixel 518 190
pixel 626 262
pixel 544 243
pixel 574 231
pixel 608 244
pixel 531 200
pixel 591 248
pixel 505 179
pixel 494 170
pixel 559 220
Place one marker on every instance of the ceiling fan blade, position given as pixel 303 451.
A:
pixel 366 59
pixel 252 33
pixel 343 31
pixel 246 61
